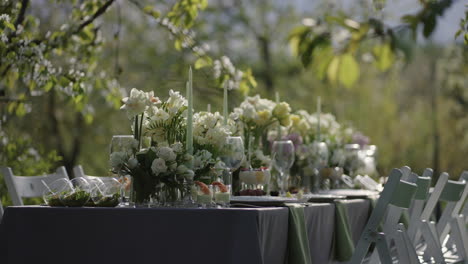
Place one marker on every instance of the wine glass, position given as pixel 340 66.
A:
pixel 123 143
pixel 319 161
pixel 283 159
pixel 232 155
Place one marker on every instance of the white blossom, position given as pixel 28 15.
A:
pixel 166 153
pixel 136 103
pixel 158 166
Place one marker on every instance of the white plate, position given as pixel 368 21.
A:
pixel 350 193
pixel 262 200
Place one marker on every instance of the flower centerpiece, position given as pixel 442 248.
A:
pixel 255 116
pixel 209 136
pixel 164 162
pixel 253 119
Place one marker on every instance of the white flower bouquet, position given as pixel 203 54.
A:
pixel 164 162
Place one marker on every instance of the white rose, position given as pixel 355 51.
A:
pixel 158 166
pixel 166 153
pixel 132 163
pixel 177 147
pixel 136 103
pixel 181 169
pixel 173 166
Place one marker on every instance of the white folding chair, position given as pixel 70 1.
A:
pixel 395 196
pixel 464 210
pixel 417 206
pixel 451 226
pixel 20 187
pixel 79 172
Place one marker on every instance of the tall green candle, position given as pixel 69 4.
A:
pixel 319 113
pixel 189 140
pixel 278 136
pixel 225 103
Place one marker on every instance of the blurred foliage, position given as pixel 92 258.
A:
pixel 463 31
pixel 24 158
pixel 333 44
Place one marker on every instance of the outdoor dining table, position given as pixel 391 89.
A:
pixel 40 234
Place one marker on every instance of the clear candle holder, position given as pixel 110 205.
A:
pixel 205 196
pixel 222 194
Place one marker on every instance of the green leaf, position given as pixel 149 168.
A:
pixel 152 11
pixel 9 25
pixel 202 62
pixel 332 71
pixel 384 56
pixel 324 56
pixel 348 71
pixel 178 44
pixel 429 25
pixel 48 86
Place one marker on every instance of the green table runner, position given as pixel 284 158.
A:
pixel 298 241
pixel 343 246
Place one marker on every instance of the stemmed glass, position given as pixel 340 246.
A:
pixel 123 143
pixel 319 161
pixel 232 156
pixel 283 158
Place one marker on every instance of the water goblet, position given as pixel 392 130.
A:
pixel 123 143
pixel 283 156
pixel 232 155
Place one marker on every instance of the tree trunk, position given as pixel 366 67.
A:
pixel 265 51
pixel 68 158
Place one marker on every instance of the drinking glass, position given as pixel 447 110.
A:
pixel 232 155
pixel 123 143
pixel 283 156
pixel 205 196
pixel 319 161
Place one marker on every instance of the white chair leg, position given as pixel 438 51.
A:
pixel 460 237
pixel 406 251
pixel 434 249
pixel 382 248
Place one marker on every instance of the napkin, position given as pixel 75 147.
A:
pixel 298 242
pixel 343 245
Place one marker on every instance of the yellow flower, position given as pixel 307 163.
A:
pixel 263 117
pixel 281 110
pixel 303 127
pixel 286 121
pixel 295 119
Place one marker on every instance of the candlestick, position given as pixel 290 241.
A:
pixel 189 140
pixel 319 113
pixel 278 131
pixel 225 104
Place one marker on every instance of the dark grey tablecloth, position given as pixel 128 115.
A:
pixel 119 235
pixel 321 226
pixel 166 236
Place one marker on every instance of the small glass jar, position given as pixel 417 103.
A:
pixel 205 196
pixel 222 195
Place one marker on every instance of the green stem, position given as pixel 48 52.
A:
pixel 141 128
pixel 135 128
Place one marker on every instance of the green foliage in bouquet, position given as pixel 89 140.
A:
pixel 75 199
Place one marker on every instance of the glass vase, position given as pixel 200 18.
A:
pixel 143 189
pixel 172 196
